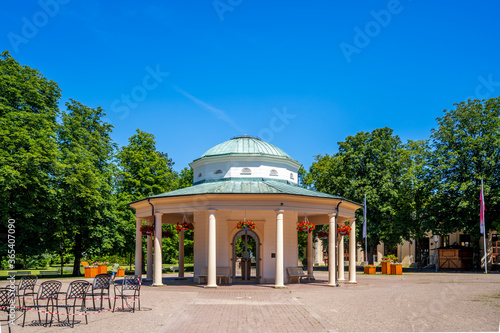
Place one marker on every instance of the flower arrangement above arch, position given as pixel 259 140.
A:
pixel 344 229
pixel 147 230
pixel 305 226
pixel 245 225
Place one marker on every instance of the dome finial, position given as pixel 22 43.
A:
pixel 245 136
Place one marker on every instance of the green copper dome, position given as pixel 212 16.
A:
pixel 245 145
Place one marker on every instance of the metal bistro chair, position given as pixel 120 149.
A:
pixel 47 291
pixel 130 287
pixel 6 298
pixel 26 283
pixel 100 288
pixel 77 291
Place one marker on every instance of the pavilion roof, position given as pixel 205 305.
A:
pixel 245 186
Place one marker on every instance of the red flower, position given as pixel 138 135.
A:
pixel 245 225
pixel 184 226
pixel 306 226
pixel 344 229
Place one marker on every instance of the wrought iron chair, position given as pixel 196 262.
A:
pixel 47 291
pixel 6 301
pixel 130 287
pixel 100 288
pixel 77 291
pixel 26 283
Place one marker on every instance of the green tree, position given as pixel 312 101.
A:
pixel 184 178
pixel 86 196
pixel 28 154
pixel 365 164
pixel 143 171
pixel 415 193
pixel 467 150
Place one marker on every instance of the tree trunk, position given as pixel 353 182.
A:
pixel 371 252
pixel 476 254
pixel 77 252
pixel 418 255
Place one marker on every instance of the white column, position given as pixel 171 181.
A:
pixel 149 258
pixel 341 258
pixel 352 253
pixel 158 266
pixel 212 266
pixel 279 276
pixel 310 257
pixel 181 254
pixel 138 246
pixel 332 262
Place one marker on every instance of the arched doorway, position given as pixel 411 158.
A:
pixel 246 257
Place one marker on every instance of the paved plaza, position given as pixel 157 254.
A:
pixel 411 302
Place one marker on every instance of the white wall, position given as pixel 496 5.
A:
pixel 260 169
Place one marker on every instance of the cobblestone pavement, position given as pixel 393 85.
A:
pixel 409 303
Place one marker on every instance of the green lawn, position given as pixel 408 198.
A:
pixel 68 274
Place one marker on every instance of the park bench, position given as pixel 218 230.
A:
pixel 221 273
pixel 297 273
pixel 19 273
pixel 49 273
pixel 174 268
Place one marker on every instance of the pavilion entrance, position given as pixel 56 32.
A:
pixel 246 257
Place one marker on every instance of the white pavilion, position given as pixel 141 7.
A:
pixel 248 179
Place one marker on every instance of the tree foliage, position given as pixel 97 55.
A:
pixel 467 150
pixel 28 154
pixel 365 164
pixel 86 196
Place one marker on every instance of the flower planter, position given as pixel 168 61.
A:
pixel 90 271
pixel 121 272
pixel 386 267
pixel 370 270
pixel 396 269
pixel 342 233
pixel 102 269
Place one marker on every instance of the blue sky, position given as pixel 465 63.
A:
pixel 300 75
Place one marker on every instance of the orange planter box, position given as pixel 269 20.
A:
pixel 90 272
pixel 370 270
pixel 121 272
pixel 396 269
pixel 103 269
pixel 386 267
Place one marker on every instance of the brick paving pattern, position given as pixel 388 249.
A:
pixel 236 310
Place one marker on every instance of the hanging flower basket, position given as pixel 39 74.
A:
pixel 166 234
pixel 323 235
pixel 344 229
pixel 147 230
pixel 184 227
pixel 245 225
pixel 305 226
